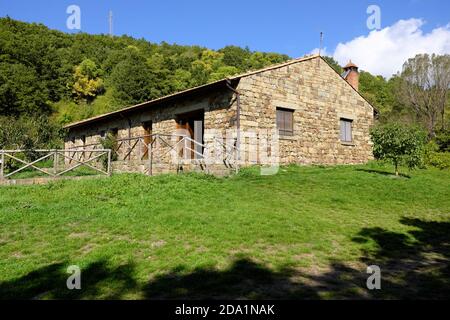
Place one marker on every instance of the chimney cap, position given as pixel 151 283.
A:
pixel 350 64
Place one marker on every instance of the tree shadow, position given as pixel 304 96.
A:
pixel 414 265
pixel 244 279
pixel 384 173
pixel 49 282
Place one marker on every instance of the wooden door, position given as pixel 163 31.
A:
pixel 186 125
pixel 147 138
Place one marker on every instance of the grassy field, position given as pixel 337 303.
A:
pixel 307 232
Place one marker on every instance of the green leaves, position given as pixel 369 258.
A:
pixel 399 144
pixel 131 78
pixel 88 83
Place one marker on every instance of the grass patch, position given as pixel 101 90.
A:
pixel 307 232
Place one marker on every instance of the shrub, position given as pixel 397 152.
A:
pixel 109 142
pixel 439 160
pixel 399 144
pixel 443 140
pixel 29 133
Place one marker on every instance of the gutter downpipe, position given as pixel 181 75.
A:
pixel 238 123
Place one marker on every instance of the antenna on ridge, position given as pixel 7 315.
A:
pixel 321 43
pixel 110 23
pixel 320 47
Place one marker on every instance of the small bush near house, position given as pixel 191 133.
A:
pixel 109 142
pixel 399 144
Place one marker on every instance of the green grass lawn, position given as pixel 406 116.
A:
pixel 307 232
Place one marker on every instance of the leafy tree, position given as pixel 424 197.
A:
pixel 223 72
pixel 443 140
pixel 88 83
pixel 181 80
pixel 28 133
pixel 200 72
pixel 131 79
pixel 424 86
pixel 378 92
pixel 21 92
pixel 398 144
pixel 237 57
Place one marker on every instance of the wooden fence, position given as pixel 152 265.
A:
pixel 63 161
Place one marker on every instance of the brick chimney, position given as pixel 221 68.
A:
pixel 351 74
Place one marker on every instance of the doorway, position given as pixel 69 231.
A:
pixel 193 124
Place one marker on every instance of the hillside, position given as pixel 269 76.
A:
pixel 75 76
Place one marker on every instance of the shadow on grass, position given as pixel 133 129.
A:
pixel 384 173
pixel 245 279
pixel 413 266
pixel 97 280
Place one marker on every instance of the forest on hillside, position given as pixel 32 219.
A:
pixel 49 78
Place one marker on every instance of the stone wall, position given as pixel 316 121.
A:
pixel 316 93
pixel 319 98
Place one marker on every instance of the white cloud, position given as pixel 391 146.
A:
pixel 384 51
pixel 323 52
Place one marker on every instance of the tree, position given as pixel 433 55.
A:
pixel 378 92
pixel 88 83
pixel 21 92
pixel 424 87
pixel 334 64
pixel 399 144
pixel 28 133
pixel 237 57
pixel 131 79
pixel 222 73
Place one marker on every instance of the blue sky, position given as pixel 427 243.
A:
pixel 284 26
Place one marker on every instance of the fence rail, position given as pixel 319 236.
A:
pixel 186 151
pixel 61 159
pixel 174 148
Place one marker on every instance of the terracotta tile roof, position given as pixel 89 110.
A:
pixel 350 64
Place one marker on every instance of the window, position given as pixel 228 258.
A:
pixel 346 130
pixel 285 121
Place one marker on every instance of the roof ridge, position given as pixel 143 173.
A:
pixel 275 66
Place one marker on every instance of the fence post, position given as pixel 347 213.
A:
pixel 2 165
pixel 55 162
pixel 139 146
pixel 109 162
pixel 150 150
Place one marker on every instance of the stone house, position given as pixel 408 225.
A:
pixel 315 116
